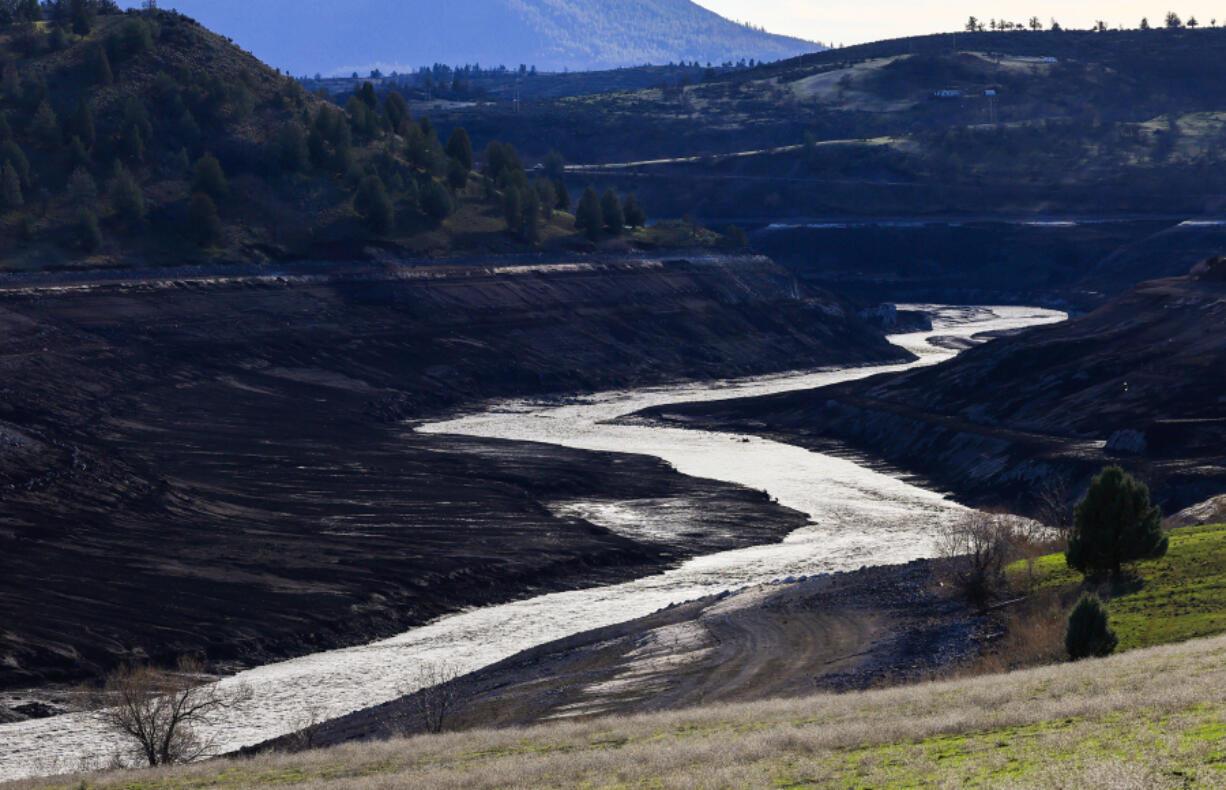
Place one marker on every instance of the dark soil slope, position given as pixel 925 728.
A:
pixel 1138 382
pixel 219 463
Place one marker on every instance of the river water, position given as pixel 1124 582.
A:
pixel 857 517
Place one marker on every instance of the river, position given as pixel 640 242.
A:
pixel 857 517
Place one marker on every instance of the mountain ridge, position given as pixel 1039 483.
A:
pixel 549 34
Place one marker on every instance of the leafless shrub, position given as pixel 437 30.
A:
pixel 158 712
pixel 305 726
pixel 976 548
pixel 433 694
pixel 1055 505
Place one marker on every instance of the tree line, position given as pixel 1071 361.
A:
pixel 1172 22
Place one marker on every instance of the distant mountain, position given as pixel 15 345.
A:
pixel 330 37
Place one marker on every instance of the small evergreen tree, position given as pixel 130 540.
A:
pixel 588 217
pixel 457 174
pixel 292 153
pixel 548 198
pixel 82 16
pixel 634 214
pixel 563 196
pixel 555 165
pixel 209 178
pixel 132 143
pixel 373 204
pixel 12 155
pixel 77 155
pixel 1089 633
pixel 82 188
pixel 102 67
pixel 10 188
pixel 530 229
pixel 89 235
pixel 127 197
pixel 367 95
pixel 513 210
pixel 83 124
pixel 1114 524
pixel 435 201
pixel 396 111
pixel 460 148
pixel 611 212
pixel 203 223
pixel 45 126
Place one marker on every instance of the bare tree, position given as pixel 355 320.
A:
pixel 434 695
pixel 976 548
pixel 1054 504
pixel 159 711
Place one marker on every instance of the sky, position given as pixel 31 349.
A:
pixel 855 23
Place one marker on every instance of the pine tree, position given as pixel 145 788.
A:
pixel 102 67
pixel 611 212
pixel 1089 633
pixel 10 80
pixel 373 204
pixel 77 155
pixel 292 153
pixel 82 17
pixel 209 178
pixel 203 224
pixel 513 210
pixel 436 202
pixel 531 224
pixel 126 196
pixel 460 148
pixel 89 235
pixel 635 216
pixel 396 111
pixel 10 188
pixel 83 124
pixel 457 174
pixel 588 217
pixel 563 196
pixel 12 155
pixel 45 128
pixel 82 188
pixel 367 96
pixel 1114 524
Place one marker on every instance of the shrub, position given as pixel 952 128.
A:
pixel 976 547
pixel 1088 632
pixel 373 204
pixel 209 178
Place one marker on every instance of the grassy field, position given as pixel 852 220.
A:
pixel 1150 717
pixel 1181 596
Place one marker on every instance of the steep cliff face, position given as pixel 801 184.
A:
pixel 217 462
pixel 1138 382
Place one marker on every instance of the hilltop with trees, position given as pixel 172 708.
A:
pixel 143 137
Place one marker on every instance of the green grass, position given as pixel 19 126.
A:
pixel 1178 597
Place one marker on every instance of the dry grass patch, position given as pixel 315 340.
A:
pixel 1149 718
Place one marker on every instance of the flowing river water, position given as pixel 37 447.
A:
pixel 857 517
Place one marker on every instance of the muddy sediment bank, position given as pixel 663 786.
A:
pixel 218 465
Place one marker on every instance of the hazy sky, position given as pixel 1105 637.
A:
pixel 853 23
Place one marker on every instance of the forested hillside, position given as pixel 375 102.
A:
pixel 141 137
pixel 550 34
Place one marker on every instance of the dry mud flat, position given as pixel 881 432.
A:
pixel 219 464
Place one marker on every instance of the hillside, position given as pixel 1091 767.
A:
pixel 1138 382
pixel 550 34
pixel 1144 719
pixel 147 139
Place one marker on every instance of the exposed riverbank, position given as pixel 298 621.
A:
pixel 857 517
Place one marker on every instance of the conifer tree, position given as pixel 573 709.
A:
pixel 611 212
pixel 126 196
pixel 89 235
pixel 588 217
pixel 373 204
pixel 102 67
pixel 435 201
pixel 83 124
pixel 563 196
pixel 209 178
pixel 1089 633
pixel 460 148
pixel 635 216
pixel 10 188
pixel 1114 524
pixel 203 223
